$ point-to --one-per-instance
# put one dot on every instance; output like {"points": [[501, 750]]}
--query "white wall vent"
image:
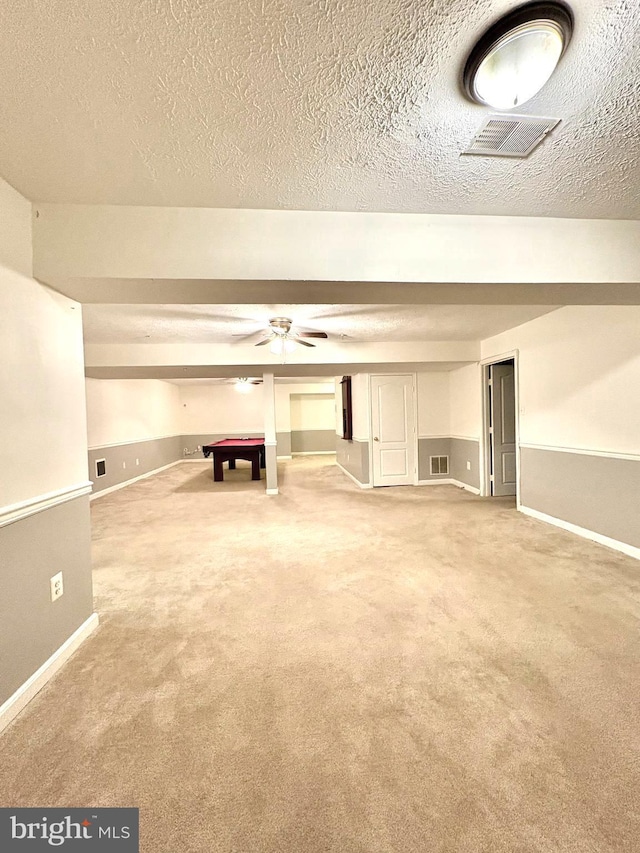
{"points": [[101, 467], [439, 464], [510, 136]]}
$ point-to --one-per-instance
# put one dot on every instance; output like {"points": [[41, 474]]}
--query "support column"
{"points": [[271, 464]]}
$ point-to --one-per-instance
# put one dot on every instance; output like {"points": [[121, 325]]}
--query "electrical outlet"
{"points": [[124, 464], [137, 461], [57, 586], [468, 465], [199, 448]]}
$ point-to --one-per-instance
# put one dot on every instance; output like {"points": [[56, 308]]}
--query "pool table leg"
{"points": [[217, 468], [232, 464], [255, 467]]}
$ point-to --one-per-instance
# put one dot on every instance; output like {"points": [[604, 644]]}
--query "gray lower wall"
{"points": [[599, 493], [354, 457], [32, 627], [459, 450], [121, 460], [465, 450], [271, 466], [284, 443], [313, 441], [428, 447]]}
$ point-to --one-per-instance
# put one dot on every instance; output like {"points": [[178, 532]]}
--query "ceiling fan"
{"points": [[282, 339], [242, 384]]}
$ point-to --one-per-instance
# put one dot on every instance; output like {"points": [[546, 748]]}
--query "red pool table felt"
{"points": [[237, 442]]}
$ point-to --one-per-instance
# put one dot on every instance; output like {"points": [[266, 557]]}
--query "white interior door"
{"points": [[393, 424], [503, 429]]}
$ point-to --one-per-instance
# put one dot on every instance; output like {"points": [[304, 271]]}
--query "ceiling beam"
{"points": [[217, 371], [149, 245], [240, 292], [327, 353]]}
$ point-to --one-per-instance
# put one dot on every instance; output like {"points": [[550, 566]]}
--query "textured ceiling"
{"points": [[307, 104], [201, 324]]}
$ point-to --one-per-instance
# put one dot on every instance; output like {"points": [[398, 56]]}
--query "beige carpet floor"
{"points": [[331, 669]]}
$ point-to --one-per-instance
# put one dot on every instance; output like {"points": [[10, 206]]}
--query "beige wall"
{"points": [[579, 372], [126, 410], [220, 409], [433, 404], [312, 411], [284, 393], [465, 391], [15, 231], [43, 437]]}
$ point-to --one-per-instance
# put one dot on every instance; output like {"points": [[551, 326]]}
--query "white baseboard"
{"points": [[201, 459], [284, 457], [351, 477], [313, 453], [115, 488], [629, 550], [450, 482], [25, 693], [466, 486], [272, 491]]}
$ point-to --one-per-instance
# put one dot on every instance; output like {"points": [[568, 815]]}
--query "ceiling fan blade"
{"points": [[304, 343], [242, 338], [197, 312], [263, 343], [355, 311], [313, 335]]}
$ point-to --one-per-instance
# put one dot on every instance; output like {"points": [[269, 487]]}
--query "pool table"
{"points": [[230, 449]]}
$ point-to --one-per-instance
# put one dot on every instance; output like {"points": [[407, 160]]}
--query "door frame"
{"points": [[413, 423], [485, 451]]}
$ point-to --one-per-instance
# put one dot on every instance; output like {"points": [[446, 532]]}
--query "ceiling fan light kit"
{"points": [[282, 340], [282, 344], [516, 56]]}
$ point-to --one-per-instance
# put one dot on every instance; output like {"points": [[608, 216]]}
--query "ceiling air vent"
{"points": [[510, 136]]}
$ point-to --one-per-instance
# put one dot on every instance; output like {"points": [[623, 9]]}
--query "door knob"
{"points": [[375, 438]]}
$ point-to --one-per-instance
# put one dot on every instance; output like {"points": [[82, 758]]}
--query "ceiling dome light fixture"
{"points": [[516, 56]]}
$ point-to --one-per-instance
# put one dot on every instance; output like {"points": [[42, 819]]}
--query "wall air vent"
{"points": [[510, 136], [439, 464]]}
